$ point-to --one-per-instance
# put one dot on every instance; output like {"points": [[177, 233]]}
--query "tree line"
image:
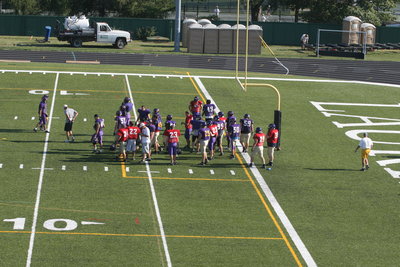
{"points": [[376, 12]]}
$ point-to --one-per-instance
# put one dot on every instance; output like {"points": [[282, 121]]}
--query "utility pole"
{"points": [[177, 25]]}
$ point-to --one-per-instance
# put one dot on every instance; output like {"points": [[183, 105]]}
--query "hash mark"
{"points": [[232, 172], [190, 171]]}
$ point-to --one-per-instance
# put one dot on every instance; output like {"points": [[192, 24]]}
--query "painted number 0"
{"points": [[62, 224], [68, 225]]}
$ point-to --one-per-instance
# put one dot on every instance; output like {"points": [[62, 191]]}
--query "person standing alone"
{"points": [[70, 116], [366, 145]]}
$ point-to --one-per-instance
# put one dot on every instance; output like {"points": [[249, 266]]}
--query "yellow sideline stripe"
{"points": [[184, 178], [195, 86], [269, 212], [145, 235]]}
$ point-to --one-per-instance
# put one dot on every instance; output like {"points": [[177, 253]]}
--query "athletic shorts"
{"points": [[211, 143], [195, 132], [272, 144], [188, 132], [233, 141], [365, 153], [203, 145], [258, 150], [43, 119], [146, 147], [68, 126], [122, 147], [172, 149], [245, 137], [131, 145]]}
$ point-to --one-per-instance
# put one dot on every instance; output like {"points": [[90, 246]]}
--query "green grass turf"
{"points": [[281, 51], [344, 217]]}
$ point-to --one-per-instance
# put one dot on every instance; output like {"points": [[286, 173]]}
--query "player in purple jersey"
{"points": [[234, 135], [97, 137], [228, 122], [43, 117], [209, 110], [157, 121], [221, 132], [120, 121], [128, 107], [144, 114], [204, 138], [197, 123], [246, 129]]}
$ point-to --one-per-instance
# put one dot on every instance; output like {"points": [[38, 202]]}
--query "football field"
{"points": [[61, 204]]}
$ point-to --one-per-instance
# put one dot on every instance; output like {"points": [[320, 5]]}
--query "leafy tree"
{"points": [[144, 9], [333, 11], [25, 7]]}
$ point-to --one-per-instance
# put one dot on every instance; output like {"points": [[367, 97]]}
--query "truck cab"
{"points": [[106, 35]]}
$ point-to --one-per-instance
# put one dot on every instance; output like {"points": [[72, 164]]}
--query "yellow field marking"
{"points": [[146, 235], [269, 212], [70, 210], [184, 178], [197, 89]]}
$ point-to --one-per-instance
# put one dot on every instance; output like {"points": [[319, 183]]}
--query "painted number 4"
{"points": [[52, 224]]}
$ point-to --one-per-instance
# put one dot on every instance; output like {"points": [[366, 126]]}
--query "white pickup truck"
{"points": [[101, 33]]}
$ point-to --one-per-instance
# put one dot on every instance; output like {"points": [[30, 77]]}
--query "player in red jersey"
{"points": [[173, 140], [133, 135], [195, 107], [272, 142], [258, 147], [122, 135], [213, 138], [188, 128]]}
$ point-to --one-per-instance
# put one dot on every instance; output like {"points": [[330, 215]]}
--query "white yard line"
{"points": [[40, 183], [201, 77], [153, 191], [271, 198]]}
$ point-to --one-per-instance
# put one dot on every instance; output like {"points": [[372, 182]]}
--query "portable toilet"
{"points": [[255, 32], [370, 33], [204, 22], [195, 41], [225, 39], [210, 39], [185, 27], [242, 38], [351, 24]]}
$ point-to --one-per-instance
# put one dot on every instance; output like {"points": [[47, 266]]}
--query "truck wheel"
{"points": [[120, 43], [76, 43]]}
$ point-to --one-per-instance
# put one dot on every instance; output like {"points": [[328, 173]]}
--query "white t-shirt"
{"points": [[145, 131], [70, 113], [366, 143]]}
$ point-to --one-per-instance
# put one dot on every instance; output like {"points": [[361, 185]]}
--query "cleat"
{"points": [[149, 159], [250, 165], [362, 169], [232, 156], [263, 166], [367, 167], [35, 130], [221, 154], [201, 163], [270, 163], [244, 150], [268, 169], [47, 131], [66, 141]]}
